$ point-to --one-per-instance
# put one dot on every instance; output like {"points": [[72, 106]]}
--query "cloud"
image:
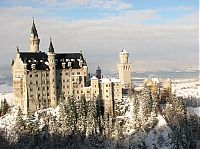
{"points": [[101, 4], [179, 8], [155, 46]]}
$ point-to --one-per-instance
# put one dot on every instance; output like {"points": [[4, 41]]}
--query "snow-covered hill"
{"points": [[187, 87]]}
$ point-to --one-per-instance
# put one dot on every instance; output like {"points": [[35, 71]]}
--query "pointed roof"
{"points": [[33, 29], [51, 48], [98, 68]]}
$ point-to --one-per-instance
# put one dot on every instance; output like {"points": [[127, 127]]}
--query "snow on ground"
{"points": [[187, 87], [194, 111], [159, 135]]}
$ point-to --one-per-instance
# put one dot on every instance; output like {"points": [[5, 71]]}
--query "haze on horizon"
{"points": [[158, 34]]}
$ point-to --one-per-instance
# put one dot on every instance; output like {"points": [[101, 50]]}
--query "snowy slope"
{"points": [[187, 87], [159, 135]]}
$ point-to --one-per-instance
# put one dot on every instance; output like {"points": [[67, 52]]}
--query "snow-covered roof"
{"points": [[139, 88], [105, 80], [155, 80], [123, 51], [94, 78], [115, 80]]}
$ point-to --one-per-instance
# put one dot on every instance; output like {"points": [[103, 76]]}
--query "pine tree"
{"points": [[82, 115], [145, 107], [91, 117], [72, 115]]}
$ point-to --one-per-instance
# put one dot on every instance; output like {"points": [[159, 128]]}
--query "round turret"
{"points": [[123, 55]]}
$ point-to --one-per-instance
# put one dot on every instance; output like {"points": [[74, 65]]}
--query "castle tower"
{"points": [[34, 40], [124, 68], [98, 72], [52, 75]]}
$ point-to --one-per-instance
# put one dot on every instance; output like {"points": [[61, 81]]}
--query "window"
{"points": [[66, 73], [31, 82], [36, 75], [36, 82], [106, 85], [61, 74], [31, 89], [72, 73], [78, 73], [106, 91], [38, 88], [47, 74], [63, 86], [31, 75], [47, 88]]}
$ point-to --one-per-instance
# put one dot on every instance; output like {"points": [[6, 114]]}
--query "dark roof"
{"points": [[51, 49], [98, 68], [73, 57], [33, 29], [39, 59]]}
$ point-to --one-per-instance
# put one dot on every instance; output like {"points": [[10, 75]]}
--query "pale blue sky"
{"points": [[158, 34]]}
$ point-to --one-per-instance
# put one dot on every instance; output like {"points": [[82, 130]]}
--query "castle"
{"points": [[41, 79]]}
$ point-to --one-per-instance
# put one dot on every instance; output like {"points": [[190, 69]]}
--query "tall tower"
{"points": [[52, 75], [124, 68], [34, 40]]}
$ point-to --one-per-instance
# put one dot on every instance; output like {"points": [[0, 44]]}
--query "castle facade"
{"points": [[41, 79]]}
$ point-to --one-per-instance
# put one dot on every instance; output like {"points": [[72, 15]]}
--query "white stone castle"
{"points": [[40, 80]]}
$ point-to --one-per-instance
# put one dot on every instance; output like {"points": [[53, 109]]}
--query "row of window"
{"points": [[46, 75], [36, 75], [36, 82]]}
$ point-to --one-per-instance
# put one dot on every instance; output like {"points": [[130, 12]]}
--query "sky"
{"points": [[158, 34]]}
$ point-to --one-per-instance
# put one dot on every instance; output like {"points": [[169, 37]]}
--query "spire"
{"points": [[17, 49], [51, 49], [33, 29]]}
